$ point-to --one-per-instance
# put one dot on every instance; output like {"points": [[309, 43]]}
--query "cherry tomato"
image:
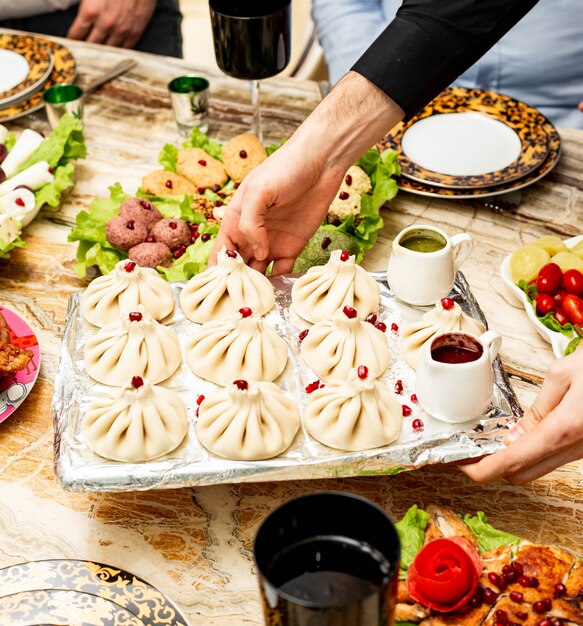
{"points": [[549, 279], [573, 307], [560, 316], [573, 281], [544, 303], [558, 298]]}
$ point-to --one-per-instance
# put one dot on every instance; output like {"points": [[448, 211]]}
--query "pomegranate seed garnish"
{"points": [[406, 410], [245, 312], [497, 580], [313, 386], [303, 334], [216, 187], [19, 201], [545, 622], [510, 576], [516, 596], [130, 225], [169, 184], [539, 607], [501, 617], [350, 312], [219, 203], [322, 386], [344, 256], [372, 318], [521, 615], [362, 372], [326, 242], [205, 237], [51, 170], [417, 424], [560, 590], [547, 603], [381, 326], [137, 382], [178, 252], [195, 236], [506, 568], [146, 205], [135, 317], [517, 567], [201, 190], [394, 327], [150, 239], [399, 387], [130, 266], [222, 195], [533, 582], [202, 162], [243, 154], [193, 227], [231, 254], [477, 599], [556, 622], [344, 195], [490, 596], [414, 398], [200, 400], [237, 185], [348, 179], [172, 225], [241, 385], [447, 303]]}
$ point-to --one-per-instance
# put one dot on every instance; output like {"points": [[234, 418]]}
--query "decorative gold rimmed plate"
{"points": [[434, 191], [64, 71], [469, 139], [83, 593], [26, 66]]}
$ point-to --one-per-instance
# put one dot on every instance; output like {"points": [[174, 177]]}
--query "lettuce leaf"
{"points": [[548, 319], [7, 246], [10, 141], [198, 139], [489, 538], [194, 260], [167, 157], [572, 346], [89, 255], [51, 193], [411, 531]]}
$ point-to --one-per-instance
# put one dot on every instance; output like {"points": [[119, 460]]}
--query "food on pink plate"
{"points": [[12, 358], [125, 233], [151, 254], [172, 231], [140, 210]]}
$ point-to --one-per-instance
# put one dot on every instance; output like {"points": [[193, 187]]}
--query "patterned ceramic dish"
{"points": [[529, 128], [558, 341], [26, 66], [64, 71], [83, 593], [15, 389]]}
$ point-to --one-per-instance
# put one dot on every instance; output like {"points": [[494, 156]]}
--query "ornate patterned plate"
{"points": [[433, 191], [518, 130], [82, 593], [15, 389], [29, 64], [64, 71]]}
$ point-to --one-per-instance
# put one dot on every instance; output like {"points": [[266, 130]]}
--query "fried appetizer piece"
{"points": [[4, 331], [242, 154], [163, 183], [13, 359], [443, 522], [200, 168]]}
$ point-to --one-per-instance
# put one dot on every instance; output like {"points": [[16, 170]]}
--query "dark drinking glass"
{"points": [[252, 42]]}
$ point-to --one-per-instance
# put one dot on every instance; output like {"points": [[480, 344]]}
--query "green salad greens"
{"points": [[489, 538], [357, 233]]}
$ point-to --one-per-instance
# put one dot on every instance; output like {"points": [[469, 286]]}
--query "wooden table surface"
{"points": [[196, 543]]}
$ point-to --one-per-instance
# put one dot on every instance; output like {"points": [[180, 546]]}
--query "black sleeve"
{"points": [[431, 42]]}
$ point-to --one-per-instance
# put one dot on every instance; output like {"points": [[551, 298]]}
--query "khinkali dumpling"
{"points": [[247, 421], [122, 290], [135, 343], [447, 315], [324, 289], [242, 346], [342, 341], [355, 414], [141, 423], [229, 285]]}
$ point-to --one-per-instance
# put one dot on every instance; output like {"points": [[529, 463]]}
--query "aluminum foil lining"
{"points": [[78, 468]]}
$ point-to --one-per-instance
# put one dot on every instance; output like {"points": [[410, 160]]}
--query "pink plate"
{"points": [[14, 389]]}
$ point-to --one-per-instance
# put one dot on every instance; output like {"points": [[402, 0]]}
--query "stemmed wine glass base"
{"points": [[256, 106]]}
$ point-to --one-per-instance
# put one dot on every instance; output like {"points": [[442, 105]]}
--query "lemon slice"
{"points": [[526, 262], [568, 261], [551, 243]]}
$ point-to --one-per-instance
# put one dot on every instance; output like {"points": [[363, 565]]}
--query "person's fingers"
{"points": [[81, 26], [99, 33], [282, 266], [255, 203], [530, 420], [260, 266]]}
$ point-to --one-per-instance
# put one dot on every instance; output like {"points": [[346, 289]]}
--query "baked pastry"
{"points": [[163, 183], [354, 414], [200, 168], [223, 289], [136, 343], [445, 316], [122, 290], [241, 154], [247, 421], [341, 342], [324, 289], [242, 346], [142, 422]]}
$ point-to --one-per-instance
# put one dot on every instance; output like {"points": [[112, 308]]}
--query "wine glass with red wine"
{"points": [[252, 42]]}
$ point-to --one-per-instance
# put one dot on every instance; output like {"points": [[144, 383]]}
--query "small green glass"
{"points": [[189, 97], [61, 100]]}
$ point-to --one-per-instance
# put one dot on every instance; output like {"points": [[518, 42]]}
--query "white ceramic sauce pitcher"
{"points": [[457, 392], [422, 278]]}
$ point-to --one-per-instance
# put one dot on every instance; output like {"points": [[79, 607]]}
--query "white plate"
{"points": [[461, 144], [14, 69], [557, 340]]}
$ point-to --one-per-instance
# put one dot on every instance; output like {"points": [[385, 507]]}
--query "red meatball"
{"points": [[140, 210], [124, 233], [151, 254], [172, 231]]}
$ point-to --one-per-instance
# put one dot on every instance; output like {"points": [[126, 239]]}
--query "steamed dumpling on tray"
{"points": [[447, 315], [354, 414], [247, 421], [242, 346], [229, 285], [324, 289], [122, 290], [341, 342], [135, 343], [141, 423]]}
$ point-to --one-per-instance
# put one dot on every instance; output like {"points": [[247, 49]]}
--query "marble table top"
{"points": [[196, 543]]}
